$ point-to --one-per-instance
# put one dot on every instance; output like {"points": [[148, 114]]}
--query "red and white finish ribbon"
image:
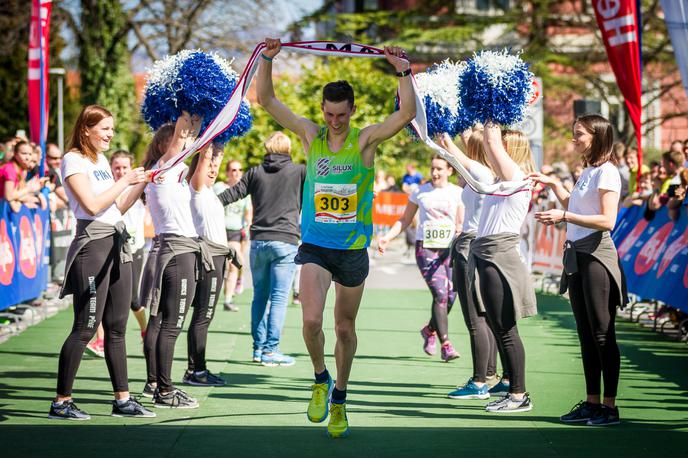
{"points": [[327, 48]]}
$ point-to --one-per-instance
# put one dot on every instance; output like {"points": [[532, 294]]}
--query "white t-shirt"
{"points": [[472, 200], [169, 203], [585, 197], [437, 207], [134, 219], [208, 215], [505, 214], [99, 178]]}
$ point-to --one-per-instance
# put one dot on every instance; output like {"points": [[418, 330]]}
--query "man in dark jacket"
{"points": [[276, 188]]}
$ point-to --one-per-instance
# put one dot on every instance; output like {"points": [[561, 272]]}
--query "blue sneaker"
{"points": [[470, 391], [500, 389], [256, 355], [276, 358]]}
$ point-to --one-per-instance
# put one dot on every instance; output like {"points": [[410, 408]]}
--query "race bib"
{"points": [[437, 234], [335, 203]]}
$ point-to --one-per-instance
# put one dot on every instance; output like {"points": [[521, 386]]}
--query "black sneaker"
{"points": [[148, 390], [131, 408], [605, 416], [67, 411], [206, 378], [175, 399], [581, 412]]}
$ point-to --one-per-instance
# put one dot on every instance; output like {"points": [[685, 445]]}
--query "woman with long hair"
{"points": [[175, 261], [592, 271], [98, 266], [484, 382], [441, 213], [505, 286], [208, 217]]}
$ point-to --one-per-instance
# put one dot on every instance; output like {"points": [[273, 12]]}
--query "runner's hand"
{"points": [[397, 57], [272, 47], [382, 245]]}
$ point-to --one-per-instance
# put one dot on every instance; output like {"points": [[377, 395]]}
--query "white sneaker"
{"points": [[509, 404]]}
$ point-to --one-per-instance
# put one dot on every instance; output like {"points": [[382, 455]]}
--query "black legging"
{"points": [[136, 270], [499, 305], [483, 343], [205, 300], [590, 291], [102, 288], [177, 293]]}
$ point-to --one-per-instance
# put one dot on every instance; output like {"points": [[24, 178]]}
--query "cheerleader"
{"points": [[208, 217], [592, 271], [176, 258], [98, 266], [505, 286], [484, 382]]}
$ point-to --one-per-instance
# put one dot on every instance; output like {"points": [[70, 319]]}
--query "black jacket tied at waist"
{"points": [[88, 230], [600, 246], [501, 250], [171, 245]]}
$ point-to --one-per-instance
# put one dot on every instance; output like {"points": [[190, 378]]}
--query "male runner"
{"points": [[336, 221]]}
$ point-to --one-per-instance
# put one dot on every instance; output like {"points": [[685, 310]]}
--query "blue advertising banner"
{"points": [[23, 254], [654, 255]]}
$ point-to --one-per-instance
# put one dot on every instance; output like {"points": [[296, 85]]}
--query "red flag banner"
{"points": [[618, 22], [38, 70]]}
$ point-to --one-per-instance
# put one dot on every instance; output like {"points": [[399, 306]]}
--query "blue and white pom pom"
{"points": [[197, 82], [439, 88], [496, 86]]}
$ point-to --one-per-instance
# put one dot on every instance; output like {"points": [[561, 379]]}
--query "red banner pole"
{"points": [[618, 21], [39, 36]]}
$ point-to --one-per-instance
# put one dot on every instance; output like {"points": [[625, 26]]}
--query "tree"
{"points": [[165, 27], [104, 65], [559, 38]]}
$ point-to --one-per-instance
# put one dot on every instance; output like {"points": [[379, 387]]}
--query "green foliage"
{"points": [[104, 63], [15, 22]]}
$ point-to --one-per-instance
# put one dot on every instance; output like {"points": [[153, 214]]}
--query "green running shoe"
{"points": [[320, 399], [338, 427]]}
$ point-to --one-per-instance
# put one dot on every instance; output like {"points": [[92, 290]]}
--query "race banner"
{"points": [[618, 22], [24, 247], [676, 18], [654, 255], [39, 46], [388, 207]]}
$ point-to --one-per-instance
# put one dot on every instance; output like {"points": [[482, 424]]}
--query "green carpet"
{"points": [[397, 404]]}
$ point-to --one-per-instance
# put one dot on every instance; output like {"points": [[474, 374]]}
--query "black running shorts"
{"points": [[348, 267]]}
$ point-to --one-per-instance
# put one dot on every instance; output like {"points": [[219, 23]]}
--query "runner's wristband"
{"points": [[406, 72], [269, 59]]}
